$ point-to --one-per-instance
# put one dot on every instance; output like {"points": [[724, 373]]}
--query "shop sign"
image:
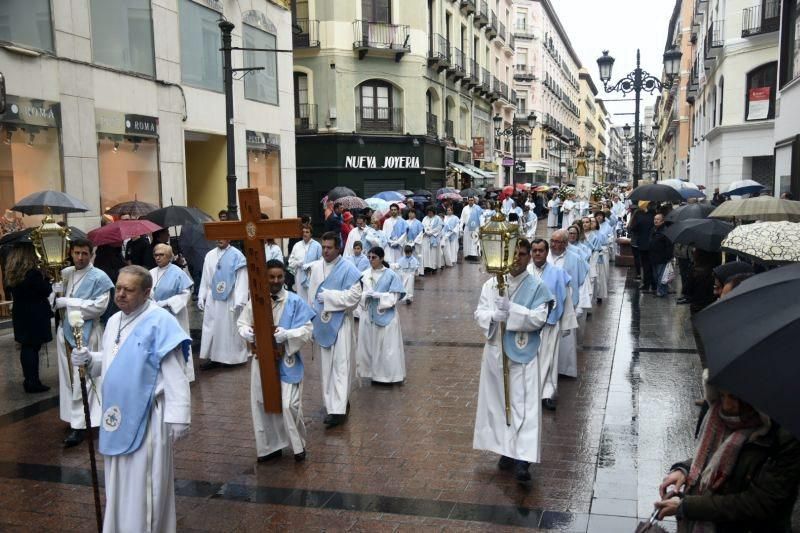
{"points": [[141, 125], [759, 103], [507, 161], [478, 147], [370, 162], [519, 166], [259, 140], [117, 123], [31, 111]]}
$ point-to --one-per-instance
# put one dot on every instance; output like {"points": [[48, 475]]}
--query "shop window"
{"points": [[122, 35], [264, 171], [27, 22], [760, 96], [201, 60], [30, 161], [261, 85], [128, 169]]}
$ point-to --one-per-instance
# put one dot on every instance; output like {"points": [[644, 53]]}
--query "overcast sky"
{"points": [[619, 26]]}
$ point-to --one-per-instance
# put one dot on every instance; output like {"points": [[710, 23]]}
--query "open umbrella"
{"points": [[24, 236], [450, 196], [194, 246], [688, 192], [116, 232], [340, 192], [133, 208], [656, 193], [763, 208], [391, 196], [703, 233], [377, 204], [468, 193], [177, 215], [351, 202], [742, 187], [56, 202], [690, 211], [771, 243], [423, 192], [406, 192], [445, 190], [750, 339], [420, 200]]}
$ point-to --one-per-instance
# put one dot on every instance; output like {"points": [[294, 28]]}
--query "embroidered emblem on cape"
{"points": [[112, 419], [521, 339], [289, 360], [220, 288], [325, 316], [380, 311], [250, 230]]}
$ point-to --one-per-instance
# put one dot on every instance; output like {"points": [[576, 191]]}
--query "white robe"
{"points": [[275, 431], [70, 401], [338, 361], [522, 439], [178, 305], [552, 215], [453, 243], [393, 253], [568, 207], [297, 259], [431, 255], [530, 226], [548, 350], [567, 359], [508, 206], [356, 234], [380, 355], [471, 243], [220, 339], [141, 485], [273, 251]]}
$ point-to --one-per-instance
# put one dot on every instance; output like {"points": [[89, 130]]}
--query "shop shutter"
{"points": [[373, 187], [305, 200], [436, 184]]}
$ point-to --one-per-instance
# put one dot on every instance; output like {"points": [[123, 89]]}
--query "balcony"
{"points": [[523, 73], [481, 17], [486, 82], [458, 64], [380, 38], [513, 97], [501, 31], [379, 119], [504, 91], [523, 31], [305, 118], [439, 53], [760, 19], [523, 146], [494, 94], [467, 7], [433, 125], [473, 77], [448, 130], [512, 42], [491, 30], [309, 34], [715, 39]]}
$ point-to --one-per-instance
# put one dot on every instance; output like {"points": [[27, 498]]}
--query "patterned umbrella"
{"points": [[351, 202], [762, 208], [770, 243], [450, 196], [444, 190], [134, 208]]}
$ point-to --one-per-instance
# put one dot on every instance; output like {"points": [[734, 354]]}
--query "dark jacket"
{"points": [[31, 312], [700, 289], [641, 227], [759, 494], [660, 246]]}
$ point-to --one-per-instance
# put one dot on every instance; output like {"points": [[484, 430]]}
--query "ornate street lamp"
{"points": [[514, 132], [498, 239], [560, 146], [51, 242], [635, 82]]}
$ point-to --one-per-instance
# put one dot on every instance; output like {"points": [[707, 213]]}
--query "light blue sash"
{"points": [[450, 225], [296, 313], [313, 253], [522, 346], [556, 280], [388, 282], [129, 384], [578, 270], [474, 220], [437, 223], [414, 229], [359, 261], [374, 237], [327, 324], [399, 229], [92, 285], [173, 281], [408, 263], [224, 278]]}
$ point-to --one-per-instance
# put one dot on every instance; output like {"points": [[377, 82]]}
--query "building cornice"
{"points": [[551, 11], [735, 128]]}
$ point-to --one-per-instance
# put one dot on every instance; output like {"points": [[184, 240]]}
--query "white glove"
{"points": [[58, 287], [177, 431], [61, 302], [201, 305], [320, 299], [566, 333], [370, 294], [281, 335], [502, 303], [500, 315], [247, 333], [80, 356]]}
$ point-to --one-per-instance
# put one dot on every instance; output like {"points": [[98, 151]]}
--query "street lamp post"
{"points": [[552, 144], [635, 82], [644, 142], [514, 132]]}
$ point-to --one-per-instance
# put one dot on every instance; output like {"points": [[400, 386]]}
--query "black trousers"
{"points": [[637, 260], [29, 358], [684, 267], [648, 282]]}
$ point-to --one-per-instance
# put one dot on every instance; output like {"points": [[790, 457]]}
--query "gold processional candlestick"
{"points": [[501, 290]]}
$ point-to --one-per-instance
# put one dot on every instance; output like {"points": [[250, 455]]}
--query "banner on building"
{"points": [[758, 100], [478, 147]]}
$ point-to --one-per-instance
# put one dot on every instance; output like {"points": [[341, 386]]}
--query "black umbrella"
{"points": [[177, 215], [134, 208], [340, 192], [24, 236], [468, 193], [194, 246], [56, 202], [750, 339], [690, 211], [423, 192], [656, 193], [704, 233]]}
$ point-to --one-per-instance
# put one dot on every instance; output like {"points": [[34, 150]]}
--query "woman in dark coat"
{"points": [[31, 312]]}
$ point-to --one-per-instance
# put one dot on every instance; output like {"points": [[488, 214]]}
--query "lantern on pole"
{"points": [[50, 240]]}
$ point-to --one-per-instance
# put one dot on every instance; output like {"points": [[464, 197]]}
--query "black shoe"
{"points": [[335, 420], [521, 473], [208, 365], [300, 457], [269, 457], [599, 301], [33, 387], [74, 438], [505, 463], [549, 404]]}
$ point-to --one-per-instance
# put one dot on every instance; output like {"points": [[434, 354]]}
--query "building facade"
{"points": [[116, 100], [787, 109], [592, 129]]}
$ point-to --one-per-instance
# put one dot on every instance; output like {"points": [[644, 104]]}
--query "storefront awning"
{"points": [[484, 174], [467, 169]]}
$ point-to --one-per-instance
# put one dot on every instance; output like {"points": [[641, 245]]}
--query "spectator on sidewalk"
{"points": [[660, 254]]}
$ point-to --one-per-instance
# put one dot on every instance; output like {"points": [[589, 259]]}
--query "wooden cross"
{"points": [[253, 232]]}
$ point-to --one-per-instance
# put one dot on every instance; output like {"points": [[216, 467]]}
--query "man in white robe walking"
{"points": [[223, 292], [512, 324], [394, 228], [356, 234], [578, 271], [143, 357], [470, 223]]}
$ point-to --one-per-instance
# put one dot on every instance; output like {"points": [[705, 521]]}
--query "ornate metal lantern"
{"points": [[50, 241], [498, 244]]}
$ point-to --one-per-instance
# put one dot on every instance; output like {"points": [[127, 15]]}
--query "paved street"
{"points": [[404, 461]]}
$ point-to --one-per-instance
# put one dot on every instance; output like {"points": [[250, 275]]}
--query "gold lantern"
{"points": [[51, 242], [498, 239]]}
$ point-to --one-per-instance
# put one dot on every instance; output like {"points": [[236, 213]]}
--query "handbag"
{"points": [[669, 274]]}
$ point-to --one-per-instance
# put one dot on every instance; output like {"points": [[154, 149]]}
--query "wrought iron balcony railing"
{"points": [[379, 119], [309, 34]]}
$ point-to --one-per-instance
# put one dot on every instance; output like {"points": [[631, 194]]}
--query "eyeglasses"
{"points": [[371, 257], [159, 255]]}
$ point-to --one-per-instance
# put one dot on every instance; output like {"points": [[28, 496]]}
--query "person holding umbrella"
{"points": [[660, 254]]}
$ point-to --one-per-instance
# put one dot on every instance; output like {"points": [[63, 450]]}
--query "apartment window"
{"points": [[260, 85], [376, 104], [377, 10], [27, 22], [522, 103], [201, 60], [790, 41], [522, 59], [760, 96], [122, 35], [721, 95]]}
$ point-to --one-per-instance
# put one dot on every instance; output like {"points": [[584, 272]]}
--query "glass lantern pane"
{"points": [[53, 248], [512, 248], [492, 252]]}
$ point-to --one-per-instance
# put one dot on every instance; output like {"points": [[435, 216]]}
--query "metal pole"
{"points": [[227, 76], [513, 151], [637, 147]]}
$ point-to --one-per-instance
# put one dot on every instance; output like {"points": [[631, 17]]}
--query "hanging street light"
{"points": [[514, 132]]}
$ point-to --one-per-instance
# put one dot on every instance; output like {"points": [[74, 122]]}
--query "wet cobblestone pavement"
{"points": [[404, 460]]}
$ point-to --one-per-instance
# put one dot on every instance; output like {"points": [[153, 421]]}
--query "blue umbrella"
{"points": [[391, 196], [421, 200], [691, 193], [742, 187], [378, 204]]}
